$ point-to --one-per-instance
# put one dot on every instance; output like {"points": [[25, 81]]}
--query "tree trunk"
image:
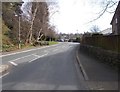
{"points": [[39, 34], [29, 37]]}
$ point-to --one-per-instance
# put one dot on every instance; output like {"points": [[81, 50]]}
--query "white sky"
{"points": [[74, 15]]}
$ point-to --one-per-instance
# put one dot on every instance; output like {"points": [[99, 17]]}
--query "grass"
{"points": [[52, 42], [8, 48]]}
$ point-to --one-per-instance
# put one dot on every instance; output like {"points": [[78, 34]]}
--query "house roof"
{"points": [[116, 11], [107, 31]]}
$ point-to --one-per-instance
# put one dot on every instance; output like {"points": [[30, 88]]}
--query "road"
{"points": [[47, 68]]}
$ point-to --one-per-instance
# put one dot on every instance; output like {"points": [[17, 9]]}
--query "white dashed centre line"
{"points": [[38, 57], [20, 58], [55, 50], [45, 51], [13, 63]]}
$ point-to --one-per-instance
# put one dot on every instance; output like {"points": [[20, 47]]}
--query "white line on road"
{"points": [[21, 58], [43, 55], [55, 50], [38, 57], [13, 63], [27, 50], [46, 51], [4, 75], [33, 60]]}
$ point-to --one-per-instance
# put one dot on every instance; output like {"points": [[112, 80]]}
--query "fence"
{"points": [[110, 42]]}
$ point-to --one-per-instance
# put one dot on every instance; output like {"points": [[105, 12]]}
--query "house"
{"points": [[107, 31], [116, 21]]}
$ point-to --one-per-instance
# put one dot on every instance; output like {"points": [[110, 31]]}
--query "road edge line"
{"points": [[18, 52], [4, 75], [81, 67]]}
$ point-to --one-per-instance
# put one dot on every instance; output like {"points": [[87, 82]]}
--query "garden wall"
{"points": [[104, 48], [110, 42]]}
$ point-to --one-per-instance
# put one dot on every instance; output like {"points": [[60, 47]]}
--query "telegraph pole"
{"points": [[19, 34]]}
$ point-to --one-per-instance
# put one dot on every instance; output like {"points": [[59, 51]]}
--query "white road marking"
{"points": [[101, 89], [46, 51], [28, 50], [97, 88], [32, 60], [4, 75], [55, 50], [38, 57], [70, 47], [13, 63], [21, 58], [43, 55]]}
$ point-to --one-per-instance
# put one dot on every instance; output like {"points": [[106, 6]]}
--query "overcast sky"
{"points": [[74, 15]]}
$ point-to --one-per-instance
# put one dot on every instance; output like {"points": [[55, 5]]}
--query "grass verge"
{"points": [[52, 42], [8, 48]]}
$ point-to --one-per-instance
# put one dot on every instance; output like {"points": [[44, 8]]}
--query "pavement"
{"points": [[98, 75]]}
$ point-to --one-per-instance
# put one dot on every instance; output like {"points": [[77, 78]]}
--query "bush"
{"points": [[8, 47], [40, 43]]}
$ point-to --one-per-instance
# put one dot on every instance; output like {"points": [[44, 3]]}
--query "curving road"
{"points": [[48, 68]]}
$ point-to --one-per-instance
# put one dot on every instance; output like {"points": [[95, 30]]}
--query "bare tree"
{"points": [[51, 33], [38, 17], [94, 29], [107, 6], [39, 20], [33, 15]]}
